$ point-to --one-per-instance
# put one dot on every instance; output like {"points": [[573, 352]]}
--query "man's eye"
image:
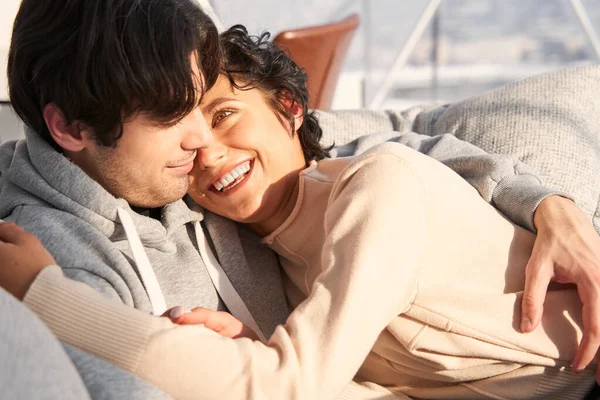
{"points": [[220, 116]]}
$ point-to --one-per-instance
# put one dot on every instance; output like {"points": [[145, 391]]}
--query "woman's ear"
{"points": [[295, 109], [68, 136]]}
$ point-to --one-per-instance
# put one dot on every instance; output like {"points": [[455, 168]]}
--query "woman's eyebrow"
{"points": [[207, 109]]}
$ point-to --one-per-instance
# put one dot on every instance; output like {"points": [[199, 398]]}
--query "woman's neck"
{"points": [[284, 209]]}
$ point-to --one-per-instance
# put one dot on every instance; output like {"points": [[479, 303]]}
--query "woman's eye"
{"points": [[220, 116]]}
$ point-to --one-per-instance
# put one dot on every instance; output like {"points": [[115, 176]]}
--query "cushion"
{"points": [[550, 122]]}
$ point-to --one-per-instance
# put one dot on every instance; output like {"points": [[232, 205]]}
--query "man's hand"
{"points": [[22, 257], [566, 250], [221, 322]]}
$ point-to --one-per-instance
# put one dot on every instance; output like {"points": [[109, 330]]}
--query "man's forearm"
{"points": [[502, 180]]}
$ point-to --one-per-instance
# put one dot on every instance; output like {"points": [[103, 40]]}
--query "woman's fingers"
{"points": [[22, 257], [198, 315], [221, 322], [13, 233]]}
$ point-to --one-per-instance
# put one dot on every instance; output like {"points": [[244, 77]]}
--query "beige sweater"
{"points": [[418, 255]]}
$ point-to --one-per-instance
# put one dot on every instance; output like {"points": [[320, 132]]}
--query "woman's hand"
{"points": [[22, 257], [221, 322], [566, 250]]}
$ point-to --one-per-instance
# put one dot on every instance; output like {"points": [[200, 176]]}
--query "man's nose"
{"points": [[200, 138], [198, 133]]}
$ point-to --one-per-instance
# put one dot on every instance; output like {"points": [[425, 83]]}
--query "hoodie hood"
{"points": [[7, 151], [33, 173]]}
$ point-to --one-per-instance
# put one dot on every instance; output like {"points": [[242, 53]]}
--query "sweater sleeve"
{"points": [[374, 239], [502, 180], [369, 277]]}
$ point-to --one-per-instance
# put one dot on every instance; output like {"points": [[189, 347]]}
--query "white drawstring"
{"points": [[224, 287], [159, 306], [228, 294]]}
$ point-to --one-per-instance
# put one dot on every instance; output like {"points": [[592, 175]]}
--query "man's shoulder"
{"points": [[83, 252], [42, 220], [68, 238]]}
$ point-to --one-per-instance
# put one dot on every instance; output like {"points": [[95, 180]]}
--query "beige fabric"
{"points": [[186, 362], [428, 249]]}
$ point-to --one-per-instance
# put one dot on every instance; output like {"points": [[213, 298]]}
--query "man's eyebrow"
{"points": [[207, 109]]}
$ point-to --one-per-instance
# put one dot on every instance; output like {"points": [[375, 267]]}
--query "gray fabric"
{"points": [[108, 382], [549, 122], [343, 126], [76, 219], [252, 269], [33, 364]]}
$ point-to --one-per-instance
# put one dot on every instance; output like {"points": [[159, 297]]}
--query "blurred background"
{"points": [[408, 52], [436, 51]]}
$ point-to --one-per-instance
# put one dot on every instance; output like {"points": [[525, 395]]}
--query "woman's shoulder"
{"points": [[389, 169], [331, 169], [387, 160], [386, 169], [392, 150]]}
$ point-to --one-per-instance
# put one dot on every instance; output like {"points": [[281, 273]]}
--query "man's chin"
{"points": [[159, 198]]}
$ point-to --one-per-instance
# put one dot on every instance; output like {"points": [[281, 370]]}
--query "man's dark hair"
{"points": [[104, 61], [253, 62]]}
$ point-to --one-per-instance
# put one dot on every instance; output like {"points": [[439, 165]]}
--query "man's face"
{"points": [[150, 164]]}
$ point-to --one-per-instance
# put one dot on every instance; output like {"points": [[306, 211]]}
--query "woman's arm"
{"points": [[567, 247], [324, 341]]}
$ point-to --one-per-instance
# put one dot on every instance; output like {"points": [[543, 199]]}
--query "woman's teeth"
{"points": [[232, 178]]}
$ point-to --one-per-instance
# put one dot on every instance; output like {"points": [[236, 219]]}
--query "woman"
{"points": [[398, 271]]}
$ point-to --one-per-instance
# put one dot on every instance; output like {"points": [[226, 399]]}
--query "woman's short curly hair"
{"points": [[253, 62]]}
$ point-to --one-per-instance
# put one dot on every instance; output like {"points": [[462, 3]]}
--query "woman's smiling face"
{"points": [[249, 170]]}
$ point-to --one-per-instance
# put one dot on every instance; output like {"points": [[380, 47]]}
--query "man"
{"points": [[136, 87], [109, 92]]}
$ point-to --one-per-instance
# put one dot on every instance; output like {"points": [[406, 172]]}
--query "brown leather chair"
{"points": [[321, 51]]}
